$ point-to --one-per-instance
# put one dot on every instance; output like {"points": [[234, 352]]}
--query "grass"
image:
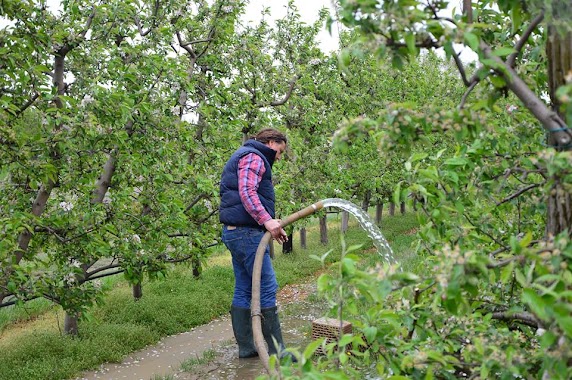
{"points": [[207, 357], [33, 347], [31, 310]]}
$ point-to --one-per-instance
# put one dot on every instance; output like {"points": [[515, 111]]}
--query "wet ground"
{"points": [[298, 307]]}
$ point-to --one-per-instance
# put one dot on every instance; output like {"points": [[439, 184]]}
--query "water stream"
{"points": [[366, 223]]}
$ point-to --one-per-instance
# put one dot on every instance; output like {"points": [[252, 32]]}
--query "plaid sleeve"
{"points": [[250, 171]]}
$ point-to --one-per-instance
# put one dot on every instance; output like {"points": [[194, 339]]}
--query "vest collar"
{"points": [[269, 153]]}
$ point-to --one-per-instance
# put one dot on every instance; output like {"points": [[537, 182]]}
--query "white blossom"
{"points": [[87, 100], [511, 108], [107, 198], [69, 278], [209, 205], [136, 238], [314, 62], [228, 9], [75, 264], [66, 206]]}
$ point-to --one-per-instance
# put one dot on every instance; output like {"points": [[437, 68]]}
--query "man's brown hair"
{"points": [[270, 134]]}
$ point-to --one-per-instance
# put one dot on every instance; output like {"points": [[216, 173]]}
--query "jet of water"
{"points": [[366, 223]]}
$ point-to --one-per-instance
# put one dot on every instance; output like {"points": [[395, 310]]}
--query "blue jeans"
{"points": [[242, 242]]}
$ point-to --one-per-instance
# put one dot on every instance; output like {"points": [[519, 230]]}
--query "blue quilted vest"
{"points": [[231, 210]]}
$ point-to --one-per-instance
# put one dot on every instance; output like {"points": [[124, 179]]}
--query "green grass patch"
{"points": [[207, 357], [169, 306], [27, 312]]}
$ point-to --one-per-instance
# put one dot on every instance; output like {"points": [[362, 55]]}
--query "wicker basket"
{"points": [[330, 329]]}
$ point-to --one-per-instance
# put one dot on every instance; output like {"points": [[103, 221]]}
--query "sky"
{"points": [[308, 9]]}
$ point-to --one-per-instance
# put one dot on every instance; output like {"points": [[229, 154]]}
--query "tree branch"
{"points": [[197, 199], [503, 263], [549, 119], [518, 193], [112, 265], [461, 69], [185, 45], [153, 24], [466, 94], [26, 105], [104, 181], [525, 318], [288, 93], [520, 44]]}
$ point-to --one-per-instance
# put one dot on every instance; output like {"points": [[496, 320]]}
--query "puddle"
{"points": [[298, 308]]}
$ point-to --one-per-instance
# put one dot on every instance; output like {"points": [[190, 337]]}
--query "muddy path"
{"points": [[298, 305]]}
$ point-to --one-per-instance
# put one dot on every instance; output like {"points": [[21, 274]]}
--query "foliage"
{"points": [[171, 305], [117, 117], [493, 298]]}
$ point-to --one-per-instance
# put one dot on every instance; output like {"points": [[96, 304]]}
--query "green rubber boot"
{"points": [[242, 328], [273, 333]]}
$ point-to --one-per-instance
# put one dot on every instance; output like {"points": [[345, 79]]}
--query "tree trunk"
{"points": [[288, 246], [197, 268], [324, 229], [303, 243], [391, 208], [559, 55], [402, 208], [365, 203], [137, 291], [345, 221], [378, 212], [70, 324]]}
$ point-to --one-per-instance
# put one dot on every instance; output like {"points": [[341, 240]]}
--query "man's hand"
{"points": [[277, 232]]}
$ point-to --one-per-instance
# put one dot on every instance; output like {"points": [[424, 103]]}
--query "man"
{"points": [[247, 212]]}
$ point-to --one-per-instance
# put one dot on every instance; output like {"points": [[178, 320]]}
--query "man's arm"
{"points": [[250, 171]]}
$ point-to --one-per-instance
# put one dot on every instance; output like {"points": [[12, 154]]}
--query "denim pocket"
{"points": [[229, 236]]}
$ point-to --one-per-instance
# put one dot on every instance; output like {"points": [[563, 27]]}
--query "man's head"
{"points": [[274, 139]]}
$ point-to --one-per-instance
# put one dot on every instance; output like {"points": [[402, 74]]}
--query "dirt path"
{"points": [[163, 361]]}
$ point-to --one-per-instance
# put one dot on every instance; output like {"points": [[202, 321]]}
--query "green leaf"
{"points": [[397, 194], [346, 339], [370, 333], [506, 273], [503, 51], [345, 58], [418, 156], [493, 64], [520, 278], [565, 323], [498, 82], [516, 17], [312, 347], [472, 40], [457, 161], [410, 42], [536, 303]]}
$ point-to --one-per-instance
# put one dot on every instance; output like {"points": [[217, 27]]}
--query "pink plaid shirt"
{"points": [[250, 171]]}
